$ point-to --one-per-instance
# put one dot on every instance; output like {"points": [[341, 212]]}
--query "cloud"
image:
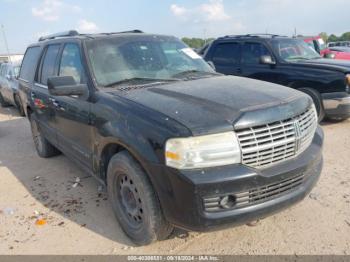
{"points": [[178, 10], [50, 10], [85, 26], [214, 11], [211, 11]]}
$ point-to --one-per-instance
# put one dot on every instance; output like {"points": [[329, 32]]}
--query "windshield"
{"points": [[143, 58], [294, 49]]}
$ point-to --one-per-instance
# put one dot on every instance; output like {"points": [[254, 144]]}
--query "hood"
{"points": [[216, 104], [324, 63]]}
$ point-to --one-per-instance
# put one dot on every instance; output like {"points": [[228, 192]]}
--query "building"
{"points": [[11, 58]]}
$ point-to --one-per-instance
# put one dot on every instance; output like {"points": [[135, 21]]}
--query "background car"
{"points": [[286, 61], [9, 86], [317, 43]]}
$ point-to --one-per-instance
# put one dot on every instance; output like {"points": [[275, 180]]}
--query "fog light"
{"points": [[228, 201]]}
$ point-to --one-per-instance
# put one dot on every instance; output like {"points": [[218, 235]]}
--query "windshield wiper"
{"points": [[298, 58], [191, 72], [140, 79]]}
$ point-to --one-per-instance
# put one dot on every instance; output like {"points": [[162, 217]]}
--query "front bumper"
{"points": [[181, 193], [337, 105]]}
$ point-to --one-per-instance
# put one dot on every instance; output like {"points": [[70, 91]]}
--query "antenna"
{"points": [[5, 41]]}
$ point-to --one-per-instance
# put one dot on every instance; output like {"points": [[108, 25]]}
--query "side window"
{"points": [[2, 70], [71, 63], [227, 54], [252, 52], [48, 63], [29, 63]]}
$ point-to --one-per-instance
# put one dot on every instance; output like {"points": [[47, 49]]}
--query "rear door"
{"points": [[72, 114], [44, 110], [27, 73], [226, 57]]}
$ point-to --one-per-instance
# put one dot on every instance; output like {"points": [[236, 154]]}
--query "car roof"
{"points": [[252, 36], [74, 35]]}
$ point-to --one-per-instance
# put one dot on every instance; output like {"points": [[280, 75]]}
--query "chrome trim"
{"points": [[333, 103], [272, 143], [40, 85]]}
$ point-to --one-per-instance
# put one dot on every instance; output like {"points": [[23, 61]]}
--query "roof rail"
{"points": [[62, 34], [123, 32], [253, 35]]}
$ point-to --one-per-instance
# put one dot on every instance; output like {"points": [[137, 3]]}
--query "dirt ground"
{"points": [[79, 219]]}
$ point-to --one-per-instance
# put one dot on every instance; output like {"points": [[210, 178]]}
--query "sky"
{"points": [[24, 21]]}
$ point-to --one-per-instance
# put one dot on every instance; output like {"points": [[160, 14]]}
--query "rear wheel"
{"points": [[19, 105], [44, 148], [317, 99], [134, 201]]}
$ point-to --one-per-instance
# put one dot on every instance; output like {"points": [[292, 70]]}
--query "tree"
{"points": [[196, 42], [332, 38], [324, 36]]}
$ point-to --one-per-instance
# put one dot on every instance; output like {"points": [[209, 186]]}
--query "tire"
{"points": [[317, 99], [43, 147], [134, 201], [19, 105], [3, 103]]}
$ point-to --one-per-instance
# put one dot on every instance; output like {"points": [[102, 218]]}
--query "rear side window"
{"points": [[252, 52], [227, 54], [71, 63], [48, 63], [29, 63]]}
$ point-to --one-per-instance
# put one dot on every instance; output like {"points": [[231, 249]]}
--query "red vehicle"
{"points": [[317, 43]]}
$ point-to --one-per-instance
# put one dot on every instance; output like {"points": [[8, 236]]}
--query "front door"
{"points": [[72, 114], [251, 66]]}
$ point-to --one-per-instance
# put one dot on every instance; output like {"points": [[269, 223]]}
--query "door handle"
{"points": [[239, 70], [56, 103]]}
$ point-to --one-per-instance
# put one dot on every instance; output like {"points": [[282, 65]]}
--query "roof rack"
{"points": [[62, 34], [253, 35], [123, 32]]}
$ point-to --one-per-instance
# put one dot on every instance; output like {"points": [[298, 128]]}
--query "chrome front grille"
{"points": [[269, 144]]}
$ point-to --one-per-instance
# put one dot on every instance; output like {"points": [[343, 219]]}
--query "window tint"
{"points": [[227, 54], [29, 63], [48, 64], [71, 63], [252, 52], [2, 69]]}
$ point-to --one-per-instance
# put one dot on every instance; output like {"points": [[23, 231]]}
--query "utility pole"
{"points": [[5, 41]]}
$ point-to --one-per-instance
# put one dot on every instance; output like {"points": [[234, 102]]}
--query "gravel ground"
{"points": [[44, 211]]}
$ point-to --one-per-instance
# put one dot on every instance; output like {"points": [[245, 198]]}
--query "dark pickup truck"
{"points": [[289, 62], [176, 143]]}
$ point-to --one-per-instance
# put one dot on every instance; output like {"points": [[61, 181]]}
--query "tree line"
{"points": [[333, 38], [199, 42]]}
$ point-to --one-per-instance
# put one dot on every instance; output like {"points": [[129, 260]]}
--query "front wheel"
{"points": [[317, 99], [44, 148], [134, 201], [3, 103]]}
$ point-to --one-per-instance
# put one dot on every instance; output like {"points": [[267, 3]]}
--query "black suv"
{"points": [[289, 62], [175, 143]]}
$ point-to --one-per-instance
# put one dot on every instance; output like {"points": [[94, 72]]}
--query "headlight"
{"points": [[203, 151]]}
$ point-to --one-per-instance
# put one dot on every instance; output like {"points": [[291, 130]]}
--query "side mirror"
{"points": [[9, 77], [211, 65], [66, 86], [267, 60]]}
